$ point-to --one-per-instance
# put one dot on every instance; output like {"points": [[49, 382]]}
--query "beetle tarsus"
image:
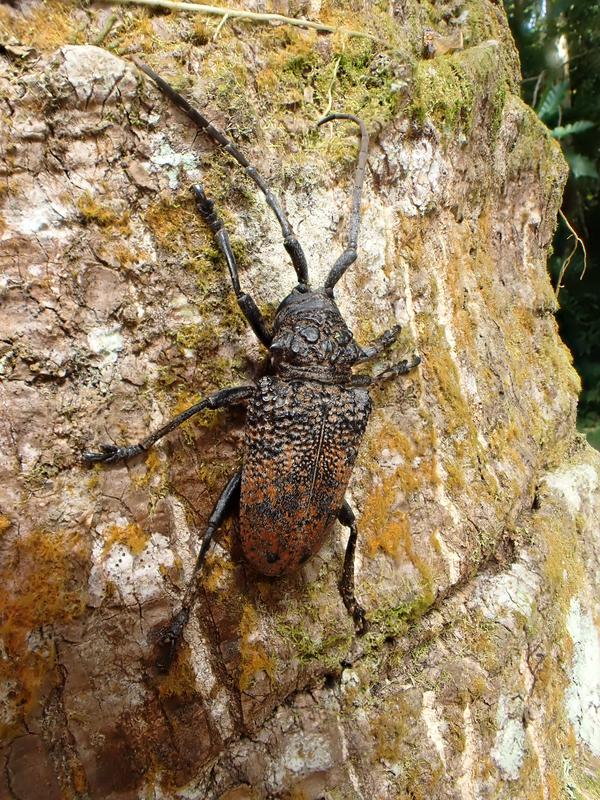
{"points": [[111, 453], [361, 625], [402, 368], [169, 639]]}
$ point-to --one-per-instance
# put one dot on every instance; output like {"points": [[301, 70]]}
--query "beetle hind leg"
{"points": [[346, 584], [169, 637]]}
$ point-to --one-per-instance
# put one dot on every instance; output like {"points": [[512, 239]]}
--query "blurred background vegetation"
{"points": [[559, 44]]}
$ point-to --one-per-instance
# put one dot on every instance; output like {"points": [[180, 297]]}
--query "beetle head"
{"points": [[309, 331]]}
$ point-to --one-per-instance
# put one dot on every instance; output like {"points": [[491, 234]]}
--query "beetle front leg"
{"points": [[380, 344], [401, 368], [111, 453], [170, 636], [346, 584]]}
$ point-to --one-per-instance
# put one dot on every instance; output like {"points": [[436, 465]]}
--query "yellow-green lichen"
{"points": [[327, 650], [93, 211], [253, 655]]}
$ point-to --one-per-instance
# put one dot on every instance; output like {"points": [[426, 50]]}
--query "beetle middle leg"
{"points": [[111, 453], [346, 584], [170, 636]]}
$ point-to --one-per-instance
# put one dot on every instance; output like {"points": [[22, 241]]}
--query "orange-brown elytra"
{"points": [[305, 420]]}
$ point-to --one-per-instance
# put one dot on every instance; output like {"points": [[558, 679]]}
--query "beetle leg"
{"points": [[380, 344], [389, 372], [170, 636], [111, 453], [346, 585], [396, 369], [250, 310]]}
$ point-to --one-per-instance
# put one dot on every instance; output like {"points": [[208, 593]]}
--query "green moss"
{"points": [[451, 89], [327, 650], [394, 621]]}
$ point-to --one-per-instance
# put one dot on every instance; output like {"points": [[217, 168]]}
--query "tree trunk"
{"points": [[478, 504]]}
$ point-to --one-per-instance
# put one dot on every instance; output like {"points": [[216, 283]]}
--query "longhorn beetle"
{"points": [[305, 419]]}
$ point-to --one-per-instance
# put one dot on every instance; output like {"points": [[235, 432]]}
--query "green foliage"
{"points": [[581, 166], [552, 100], [561, 131], [559, 46]]}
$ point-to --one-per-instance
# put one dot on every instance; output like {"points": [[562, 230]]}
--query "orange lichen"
{"points": [[48, 26], [153, 465], [132, 536], [5, 524], [180, 682], [253, 655], [138, 31], [217, 568], [44, 580], [386, 527], [176, 226]]}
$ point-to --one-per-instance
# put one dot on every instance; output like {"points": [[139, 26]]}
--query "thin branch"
{"points": [[220, 27], [330, 87], [233, 13], [538, 83], [569, 258], [105, 30]]}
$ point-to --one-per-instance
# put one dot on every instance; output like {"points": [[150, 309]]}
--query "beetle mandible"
{"points": [[305, 419]]}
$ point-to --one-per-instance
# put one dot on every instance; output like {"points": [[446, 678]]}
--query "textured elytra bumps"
{"points": [[472, 492]]}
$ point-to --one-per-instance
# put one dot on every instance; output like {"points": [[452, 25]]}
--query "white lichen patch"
{"points": [[451, 557], [425, 168], [302, 754], [575, 484], [183, 310], [35, 214], [434, 724], [506, 596], [106, 342], [583, 694], [199, 657], [136, 578], [466, 782], [508, 751], [165, 159]]}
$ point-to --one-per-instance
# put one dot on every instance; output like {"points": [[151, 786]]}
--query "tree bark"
{"points": [[477, 502]]}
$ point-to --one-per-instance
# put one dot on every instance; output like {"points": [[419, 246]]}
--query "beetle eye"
{"points": [[310, 334]]}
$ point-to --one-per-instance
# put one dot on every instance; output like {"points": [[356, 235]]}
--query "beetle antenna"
{"points": [[290, 241], [349, 255]]}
